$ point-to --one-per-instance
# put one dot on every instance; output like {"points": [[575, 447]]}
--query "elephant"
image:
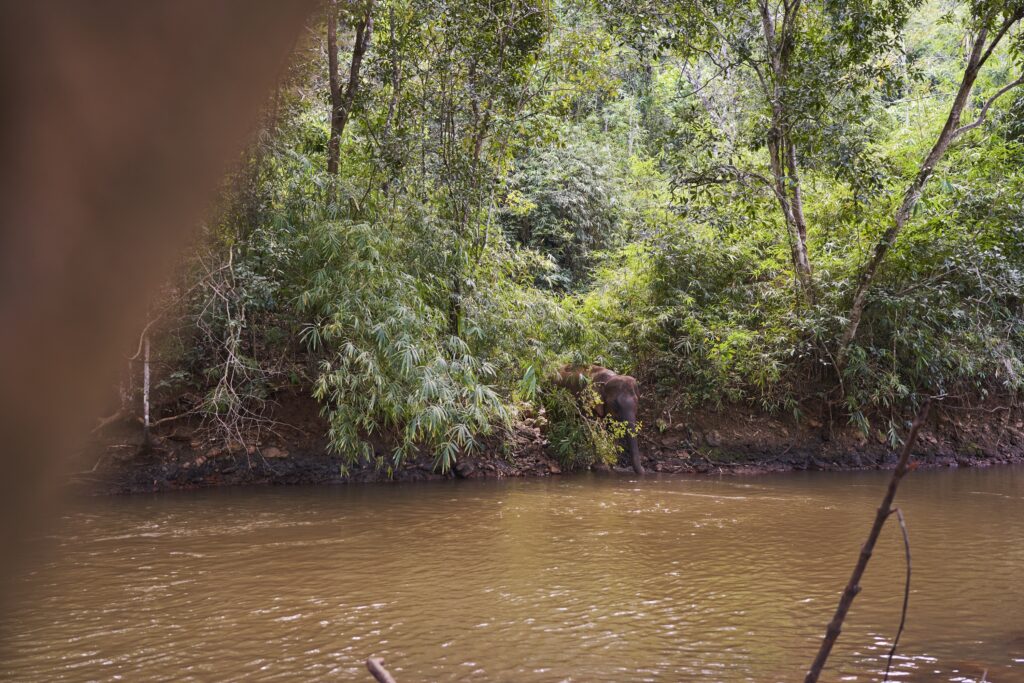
{"points": [[619, 399]]}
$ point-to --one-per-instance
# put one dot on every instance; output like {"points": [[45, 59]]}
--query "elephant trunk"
{"points": [[634, 450]]}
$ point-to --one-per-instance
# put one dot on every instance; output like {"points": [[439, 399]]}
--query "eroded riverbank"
{"points": [[728, 441]]}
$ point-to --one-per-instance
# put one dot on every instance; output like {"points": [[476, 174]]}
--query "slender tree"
{"points": [[993, 27], [778, 32], [788, 56], [342, 98]]}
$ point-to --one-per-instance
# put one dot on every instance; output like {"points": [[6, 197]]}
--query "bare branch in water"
{"points": [[853, 586], [906, 593], [376, 667]]}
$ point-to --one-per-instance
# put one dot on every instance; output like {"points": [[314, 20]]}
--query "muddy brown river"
{"points": [[567, 579]]}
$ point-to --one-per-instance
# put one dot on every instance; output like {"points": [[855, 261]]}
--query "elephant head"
{"points": [[619, 400]]}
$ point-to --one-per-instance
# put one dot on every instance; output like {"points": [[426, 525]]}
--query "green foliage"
{"points": [[579, 440], [524, 183], [389, 364], [716, 322], [947, 316], [560, 202]]}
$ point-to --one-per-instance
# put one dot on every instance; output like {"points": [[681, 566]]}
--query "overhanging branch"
{"points": [[988, 104]]}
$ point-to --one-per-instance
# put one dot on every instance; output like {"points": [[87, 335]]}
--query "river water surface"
{"points": [[575, 578]]}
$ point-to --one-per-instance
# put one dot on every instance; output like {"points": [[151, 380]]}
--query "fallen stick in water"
{"points": [[853, 586], [376, 667], [906, 594]]}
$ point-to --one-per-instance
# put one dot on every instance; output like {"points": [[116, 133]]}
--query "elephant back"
{"points": [[576, 377]]}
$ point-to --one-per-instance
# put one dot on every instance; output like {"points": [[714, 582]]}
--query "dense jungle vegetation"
{"points": [[773, 204]]}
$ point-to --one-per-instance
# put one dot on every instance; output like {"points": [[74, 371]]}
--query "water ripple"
{"points": [[582, 579]]}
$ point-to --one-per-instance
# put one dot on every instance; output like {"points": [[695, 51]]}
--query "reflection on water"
{"points": [[583, 579]]}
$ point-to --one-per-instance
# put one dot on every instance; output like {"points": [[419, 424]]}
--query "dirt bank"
{"points": [[733, 440], [738, 440]]}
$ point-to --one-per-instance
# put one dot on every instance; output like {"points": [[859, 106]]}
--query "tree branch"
{"points": [[171, 418], [906, 593], [376, 667], [853, 586], [726, 173], [1007, 23], [988, 104], [142, 338], [949, 132], [110, 419]]}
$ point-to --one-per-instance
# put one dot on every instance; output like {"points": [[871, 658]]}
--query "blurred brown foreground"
{"points": [[118, 120]]}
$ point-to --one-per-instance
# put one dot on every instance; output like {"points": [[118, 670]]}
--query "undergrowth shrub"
{"points": [[579, 440], [388, 365]]}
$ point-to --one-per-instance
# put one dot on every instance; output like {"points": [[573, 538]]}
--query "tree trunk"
{"points": [[792, 211], [342, 100], [455, 310], [781, 150], [396, 75], [333, 146], [146, 443], [976, 59]]}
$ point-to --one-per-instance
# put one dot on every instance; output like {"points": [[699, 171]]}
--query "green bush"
{"points": [[578, 439]]}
